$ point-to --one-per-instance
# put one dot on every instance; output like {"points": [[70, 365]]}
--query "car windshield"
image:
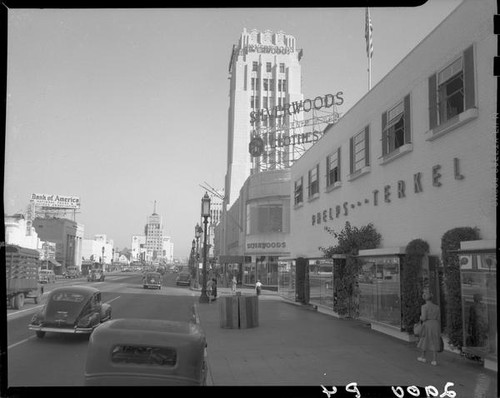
{"points": [[68, 297]]}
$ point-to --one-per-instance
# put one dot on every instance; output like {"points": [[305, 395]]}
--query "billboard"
{"points": [[55, 201]]}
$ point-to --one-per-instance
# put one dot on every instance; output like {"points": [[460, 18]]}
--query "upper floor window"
{"points": [[451, 90], [268, 66], [360, 150], [298, 191], [264, 217], [253, 83], [396, 126], [266, 84], [255, 66], [265, 102], [271, 84], [282, 68], [333, 168], [281, 85], [314, 181]]}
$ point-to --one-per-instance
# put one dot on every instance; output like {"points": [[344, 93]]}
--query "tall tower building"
{"points": [[154, 237], [264, 73]]}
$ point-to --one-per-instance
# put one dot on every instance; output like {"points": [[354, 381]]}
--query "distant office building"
{"points": [[168, 250], [138, 248], [68, 237], [154, 238], [265, 73]]}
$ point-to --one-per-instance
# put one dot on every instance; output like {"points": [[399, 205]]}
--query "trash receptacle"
{"points": [[249, 311], [239, 312], [228, 312]]}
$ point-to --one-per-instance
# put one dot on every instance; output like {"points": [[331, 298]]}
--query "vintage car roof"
{"points": [[185, 337], [152, 273], [83, 290]]}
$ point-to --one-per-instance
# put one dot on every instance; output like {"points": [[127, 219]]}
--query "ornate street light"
{"points": [[197, 233], [205, 213]]}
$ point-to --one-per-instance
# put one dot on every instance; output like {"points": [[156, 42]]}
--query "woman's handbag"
{"points": [[417, 329], [441, 345]]}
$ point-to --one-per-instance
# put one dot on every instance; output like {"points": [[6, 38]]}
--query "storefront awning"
{"points": [[54, 262], [228, 259]]}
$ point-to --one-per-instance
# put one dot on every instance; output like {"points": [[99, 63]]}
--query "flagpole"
{"points": [[369, 45], [369, 73]]}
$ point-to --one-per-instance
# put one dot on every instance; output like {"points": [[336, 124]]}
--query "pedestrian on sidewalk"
{"points": [[258, 287], [214, 289], [430, 338], [210, 290], [233, 284]]}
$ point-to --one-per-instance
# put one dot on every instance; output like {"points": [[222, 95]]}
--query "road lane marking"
{"points": [[109, 301], [27, 309], [20, 342]]}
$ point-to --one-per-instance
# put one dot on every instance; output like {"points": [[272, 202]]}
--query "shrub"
{"points": [[453, 297], [412, 283], [345, 273]]}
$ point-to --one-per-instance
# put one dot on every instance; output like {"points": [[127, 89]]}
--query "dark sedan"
{"points": [[183, 279], [71, 309]]}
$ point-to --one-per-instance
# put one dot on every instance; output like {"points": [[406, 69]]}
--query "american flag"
{"points": [[368, 34]]}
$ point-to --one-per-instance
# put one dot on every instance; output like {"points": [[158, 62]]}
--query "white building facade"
{"points": [[264, 72], [138, 247], [99, 249], [416, 158]]}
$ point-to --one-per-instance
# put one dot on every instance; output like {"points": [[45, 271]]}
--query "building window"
{"points": [[265, 102], [266, 84], [298, 191], [255, 66], [333, 168], [271, 84], [268, 67], [282, 68], [252, 101], [396, 127], [253, 83], [282, 85], [262, 218], [359, 145], [313, 181], [451, 90]]}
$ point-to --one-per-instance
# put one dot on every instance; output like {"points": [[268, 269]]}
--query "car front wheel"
{"points": [[40, 334]]}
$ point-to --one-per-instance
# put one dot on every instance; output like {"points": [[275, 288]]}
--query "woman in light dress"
{"points": [[430, 338]]}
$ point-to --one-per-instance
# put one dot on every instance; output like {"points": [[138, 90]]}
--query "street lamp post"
{"points": [[205, 213], [193, 261], [197, 233]]}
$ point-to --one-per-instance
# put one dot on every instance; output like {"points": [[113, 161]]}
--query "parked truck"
{"points": [[22, 266]]}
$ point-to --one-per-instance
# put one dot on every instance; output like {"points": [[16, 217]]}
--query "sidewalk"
{"points": [[295, 346]]}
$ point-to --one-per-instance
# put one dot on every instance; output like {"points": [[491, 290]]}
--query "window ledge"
{"points": [[359, 173], [403, 149], [298, 205], [314, 197], [451, 124], [335, 185]]}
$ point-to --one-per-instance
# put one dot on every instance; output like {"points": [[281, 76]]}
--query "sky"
{"points": [[125, 107]]}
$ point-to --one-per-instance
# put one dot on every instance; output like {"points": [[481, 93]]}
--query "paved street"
{"points": [[295, 346]]}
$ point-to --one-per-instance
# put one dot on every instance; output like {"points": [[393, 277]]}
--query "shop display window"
{"points": [[479, 304], [286, 279], [380, 290], [321, 282]]}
